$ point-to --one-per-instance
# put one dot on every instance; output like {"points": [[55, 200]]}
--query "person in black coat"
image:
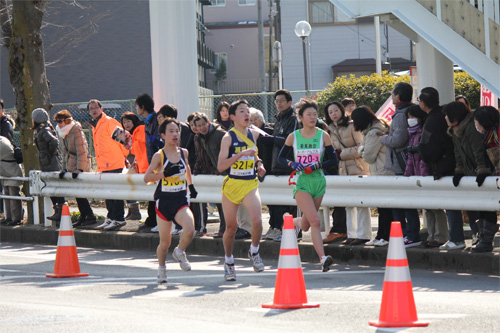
{"points": [[436, 148]]}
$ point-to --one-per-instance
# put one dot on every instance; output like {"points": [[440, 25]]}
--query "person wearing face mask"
{"points": [[471, 160], [415, 167], [75, 159]]}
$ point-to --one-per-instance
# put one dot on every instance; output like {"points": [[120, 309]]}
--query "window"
{"points": [[322, 12], [246, 2], [218, 58], [218, 2]]}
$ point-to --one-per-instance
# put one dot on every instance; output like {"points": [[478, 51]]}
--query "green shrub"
{"points": [[373, 90]]}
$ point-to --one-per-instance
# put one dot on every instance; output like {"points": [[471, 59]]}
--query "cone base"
{"points": [[291, 306], [66, 275], [378, 323]]}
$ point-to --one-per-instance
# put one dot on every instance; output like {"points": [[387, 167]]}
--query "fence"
{"points": [[341, 191]]}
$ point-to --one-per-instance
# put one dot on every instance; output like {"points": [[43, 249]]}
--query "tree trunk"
{"points": [[27, 75]]}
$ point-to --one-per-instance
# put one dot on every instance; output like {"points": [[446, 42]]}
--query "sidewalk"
{"points": [[129, 237]]}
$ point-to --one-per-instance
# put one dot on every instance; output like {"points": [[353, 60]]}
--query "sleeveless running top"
{"points": [[308, 151], [175, 185], [244, 167]]}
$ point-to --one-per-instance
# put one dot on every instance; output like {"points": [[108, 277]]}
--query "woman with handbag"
{"points": [[346, 141]]}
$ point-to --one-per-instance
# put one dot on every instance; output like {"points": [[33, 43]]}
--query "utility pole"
{"points": [[262, 60], [270, 73]]}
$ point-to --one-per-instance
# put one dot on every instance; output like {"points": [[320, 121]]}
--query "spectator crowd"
{"points": [[422, 139]]}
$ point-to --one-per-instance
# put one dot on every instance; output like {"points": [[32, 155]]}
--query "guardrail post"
{"points": [[47, 209]]}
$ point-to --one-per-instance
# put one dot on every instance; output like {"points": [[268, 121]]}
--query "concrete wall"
{"points": [[113, 63]]}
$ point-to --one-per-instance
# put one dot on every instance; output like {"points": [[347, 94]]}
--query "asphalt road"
{"points": [[121, 295]]}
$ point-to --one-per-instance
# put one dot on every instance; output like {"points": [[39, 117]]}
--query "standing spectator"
{"points": [[436, 149], [199, 209], [131, 123], [372, 151], [286, 123], [145, 106], [48, 152], [487, 121], [6, 127], [222, 116], [346, 141], [75, 159], [7, 131], [210, 137], [396, 143], [10, 168], [265, 151], [471, 160], [349, 105], [464, 100], [169, 110], [110, 157]]}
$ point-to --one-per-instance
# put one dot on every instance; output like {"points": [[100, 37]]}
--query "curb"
{"points": [[430, 259]]}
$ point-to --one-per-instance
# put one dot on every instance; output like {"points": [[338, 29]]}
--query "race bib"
{"points": [[307, 156], [244, 166], [174, 183]]}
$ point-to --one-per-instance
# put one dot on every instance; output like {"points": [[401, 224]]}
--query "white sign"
{"points": [[387, 110], [488, 98]]}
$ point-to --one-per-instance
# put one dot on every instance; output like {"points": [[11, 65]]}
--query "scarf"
{"points": [[491, 138], [63, 131]]}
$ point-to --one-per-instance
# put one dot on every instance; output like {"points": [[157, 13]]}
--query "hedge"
{"points": [[373, 90]]}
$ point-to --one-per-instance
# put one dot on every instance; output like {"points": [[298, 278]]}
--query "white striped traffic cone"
{"points": [[398, 306], [290, 288], [67, 264]]}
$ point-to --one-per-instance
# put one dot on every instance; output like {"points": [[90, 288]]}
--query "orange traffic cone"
{"points": [[398, 306], [290, 288], [67, 264]]}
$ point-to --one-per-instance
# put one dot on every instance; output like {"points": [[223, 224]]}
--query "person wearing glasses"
{"points": [[286, 123], [75, 159], [110, 157]]}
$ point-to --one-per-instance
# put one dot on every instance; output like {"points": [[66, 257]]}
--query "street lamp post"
{"points": [[303, 30]]}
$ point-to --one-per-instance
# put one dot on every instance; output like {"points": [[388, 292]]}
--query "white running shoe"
{"points": [[107, 222], [155, 229], [258, 265], [162, 275], [229, 272], [449, 245], [382, 242], [114, 224], [372, 242], [326, 262], [180, 256]]}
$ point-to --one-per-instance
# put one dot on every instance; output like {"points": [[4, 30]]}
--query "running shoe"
{"points": [[372, 242], [106, 223], [410, 243], [155, 229], [180, 256], [229, 272], [382, 242], [162, 275], [449, 245], [326, 262], [258, 265], [114, 224]]}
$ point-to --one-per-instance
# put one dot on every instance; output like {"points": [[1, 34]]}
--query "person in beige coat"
{"points": [[10, 168], [75, 159], [346, 142], [373, 152]]}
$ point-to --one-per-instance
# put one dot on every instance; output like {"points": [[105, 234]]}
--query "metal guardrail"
{"points": [[341, 191], [11, 197]]}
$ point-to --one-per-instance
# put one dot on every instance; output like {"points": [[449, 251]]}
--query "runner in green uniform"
{"points": [[309, 145]]}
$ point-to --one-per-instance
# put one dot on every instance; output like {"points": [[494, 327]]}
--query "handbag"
{"points": [[402, 157]]}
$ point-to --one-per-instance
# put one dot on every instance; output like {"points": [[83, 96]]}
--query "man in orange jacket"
{"points": [[110, 157]]}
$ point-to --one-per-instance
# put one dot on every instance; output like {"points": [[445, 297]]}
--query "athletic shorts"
{"points": [[237, 189], [168, 208], [315, 186]]}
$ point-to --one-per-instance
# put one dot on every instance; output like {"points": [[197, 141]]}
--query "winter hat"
{"points": [[39, 116]]}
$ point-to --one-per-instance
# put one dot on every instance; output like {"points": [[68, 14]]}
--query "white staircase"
{"points": [[465, 31]]}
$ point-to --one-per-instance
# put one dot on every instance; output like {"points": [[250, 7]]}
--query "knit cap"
{"points": [[39, 116]]}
